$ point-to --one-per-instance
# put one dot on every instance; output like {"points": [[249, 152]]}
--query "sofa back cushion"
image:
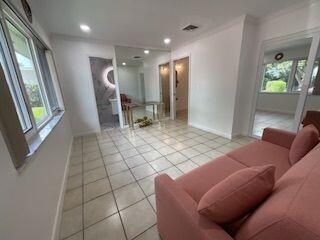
{"points": [[238, 194], [306, 139], [292, 210]]}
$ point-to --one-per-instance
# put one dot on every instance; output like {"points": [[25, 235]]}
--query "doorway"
{"points": [[288, 84], [181, 75], [165, 87], [105, 92]]}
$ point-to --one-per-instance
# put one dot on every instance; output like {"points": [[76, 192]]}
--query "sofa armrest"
{"points": [[278, 137], [178, 217]]}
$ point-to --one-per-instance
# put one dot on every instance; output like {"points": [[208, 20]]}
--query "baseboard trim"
{"points": [[222, 134], [85, 133], [275, 111], [58, 217]]}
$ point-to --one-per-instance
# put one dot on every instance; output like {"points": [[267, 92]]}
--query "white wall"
{"points": [[129, 82], [278, 102], [290, 21], [312, 103], [214, 76], [224, 68], [29, 205], [30, 201], [299, 52], [285, 102], [245, 88], [72, 56]]}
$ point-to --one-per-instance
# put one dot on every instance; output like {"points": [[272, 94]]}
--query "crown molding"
{"points": [[213, 31], [296, 7]]}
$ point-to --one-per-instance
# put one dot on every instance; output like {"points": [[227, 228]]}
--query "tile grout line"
{"points": [[114, 198], [141, 136], [82, 188], [118, 212], [145, 231], [136, 181]]}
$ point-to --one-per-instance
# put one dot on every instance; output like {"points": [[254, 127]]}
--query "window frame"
{"points": [[16, 80], [264, 73], [49, 92], [13, 82], [293, 70]]}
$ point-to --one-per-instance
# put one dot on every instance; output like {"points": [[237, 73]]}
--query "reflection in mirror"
{"points": [[105, 93], [181, 75], [282, 77], [311, 111], [140, 83], [164, 70]]}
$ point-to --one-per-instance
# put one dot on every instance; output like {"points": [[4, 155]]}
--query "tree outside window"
{"points": [[276, 76]]}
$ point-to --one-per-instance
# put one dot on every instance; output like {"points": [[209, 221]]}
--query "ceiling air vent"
{"points": [[190, 28], [136, 57]]}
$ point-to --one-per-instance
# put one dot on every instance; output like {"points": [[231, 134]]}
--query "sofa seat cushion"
{"points": [[263, 153], [292, 211], [197, 182], [238, 194]]}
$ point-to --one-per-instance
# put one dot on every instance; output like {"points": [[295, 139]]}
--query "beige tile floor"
{"points": [[140, 113], [110, 191], [265, 119]]}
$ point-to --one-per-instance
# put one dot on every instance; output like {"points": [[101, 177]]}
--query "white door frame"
{"points": [[315, 35], [116, 81], [173, 96], [306, 81], [160, 83]]}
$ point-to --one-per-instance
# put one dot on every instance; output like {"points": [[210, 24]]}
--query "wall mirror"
{"points": [[142, 93], [288, 85]]}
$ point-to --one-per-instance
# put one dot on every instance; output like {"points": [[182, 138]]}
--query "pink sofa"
{"points": [[291, 212]]}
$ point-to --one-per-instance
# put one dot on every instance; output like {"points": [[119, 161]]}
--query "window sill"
{"points": [[36, 142], [281, 93]]}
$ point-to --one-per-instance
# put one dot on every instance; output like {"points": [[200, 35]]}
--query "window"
{"points": [[46, 76], [22, 49], [15, 90], [25, 63], [287, 76], [276, 76]]}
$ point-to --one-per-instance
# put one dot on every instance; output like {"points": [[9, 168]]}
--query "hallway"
{"points": [[111, 180]]}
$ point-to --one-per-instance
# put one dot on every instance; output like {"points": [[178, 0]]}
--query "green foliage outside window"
{"points": [[39, 113], [34, 95], [36, 102], [276, 86], [276, 76]]}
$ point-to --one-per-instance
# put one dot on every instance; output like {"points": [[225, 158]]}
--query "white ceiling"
{"points": [[146, 22], [127, 54]]}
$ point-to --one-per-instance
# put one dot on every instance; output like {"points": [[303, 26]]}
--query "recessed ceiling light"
{"points": [[123, 64], [167, 40], [146, 51], [85, 28]]}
